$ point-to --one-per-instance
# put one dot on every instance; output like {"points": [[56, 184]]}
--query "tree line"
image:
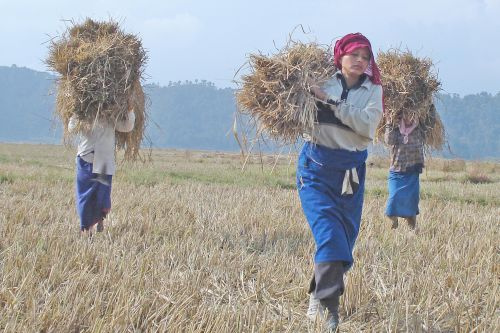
{"points": [[198, 115]]}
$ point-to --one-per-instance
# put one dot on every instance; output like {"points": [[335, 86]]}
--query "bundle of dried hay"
{"points": [[275, 94], [130, 142], [100, 70], [410, 86]]}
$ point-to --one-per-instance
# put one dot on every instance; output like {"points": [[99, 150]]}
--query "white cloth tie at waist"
{"points": [[351, 182]]}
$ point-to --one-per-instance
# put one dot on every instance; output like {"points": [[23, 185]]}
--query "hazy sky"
{"points": [[202, 39]]}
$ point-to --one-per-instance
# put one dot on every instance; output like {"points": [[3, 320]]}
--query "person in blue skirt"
{"points": [[95, 166], [331, 168], [406, 146]]}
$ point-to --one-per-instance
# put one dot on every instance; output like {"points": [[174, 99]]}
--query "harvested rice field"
{"points": [[193, 244]]}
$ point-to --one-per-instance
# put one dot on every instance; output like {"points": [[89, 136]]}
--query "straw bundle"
{"points": [[100, 70], [130, 142], [433, 129], [410, 86], [276, 91]]}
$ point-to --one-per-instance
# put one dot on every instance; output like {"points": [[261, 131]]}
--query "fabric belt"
{"points": [[351, 182]]}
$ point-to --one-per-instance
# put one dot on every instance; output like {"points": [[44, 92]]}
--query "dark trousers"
{"points": [[327, 284]]}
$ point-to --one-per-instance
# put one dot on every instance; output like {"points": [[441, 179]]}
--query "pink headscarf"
{"points": [[347, 45], [405, 131]]}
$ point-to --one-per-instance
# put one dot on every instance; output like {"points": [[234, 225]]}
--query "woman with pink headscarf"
{"points": [[331, 168], [406, 147]]}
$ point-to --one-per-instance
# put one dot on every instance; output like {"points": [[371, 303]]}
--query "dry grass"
{"points": [[184, 251], [100, 69], [276, 91], [410, 86], [477, 177]]}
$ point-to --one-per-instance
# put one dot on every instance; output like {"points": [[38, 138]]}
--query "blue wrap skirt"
{"points": [[93, 198], [404, 194], [334, 218]]}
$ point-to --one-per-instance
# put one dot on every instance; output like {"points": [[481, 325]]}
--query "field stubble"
{"points": [[195, 245]]}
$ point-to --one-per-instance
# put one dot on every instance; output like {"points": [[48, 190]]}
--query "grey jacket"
{"points": [[359, 113]]}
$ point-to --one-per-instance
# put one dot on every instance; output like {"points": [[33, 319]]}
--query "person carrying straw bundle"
{"points": [[95, 167], [331, 168], [406, 146], [100, 101], [410, 127]]}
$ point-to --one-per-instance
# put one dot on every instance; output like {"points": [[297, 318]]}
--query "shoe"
{"points": [[412, 222], [332, 318], [332, 321], [87, 233], [315, 308], [100, 226], [394, 221]]}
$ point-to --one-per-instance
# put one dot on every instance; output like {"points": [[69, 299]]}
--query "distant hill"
{"points": [[25, 105], [472, 124], [198, 115], [192, 115]]}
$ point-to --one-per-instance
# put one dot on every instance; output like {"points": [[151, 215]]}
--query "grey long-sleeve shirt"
{"points": [[98, 145], [359, 113]]}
